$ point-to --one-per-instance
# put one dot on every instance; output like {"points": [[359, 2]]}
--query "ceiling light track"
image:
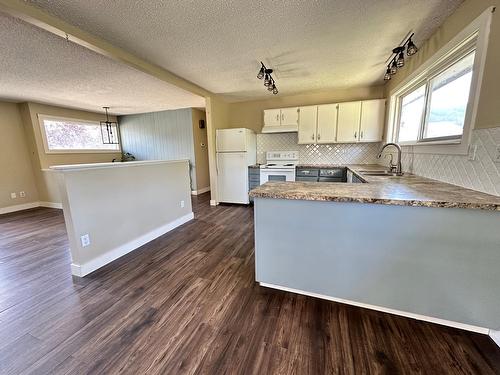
{"points": [[398, 57], [269, 82]]}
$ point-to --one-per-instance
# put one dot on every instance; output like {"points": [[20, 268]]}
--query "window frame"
{"points": [[472, 38], [42, 118]]}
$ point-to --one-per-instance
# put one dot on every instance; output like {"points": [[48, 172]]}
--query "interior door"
{"points": [[232, 177], [327, 123], [307, 124], [231, 140], [348, 118], [290, 116], [372, 120], [272, 117]]}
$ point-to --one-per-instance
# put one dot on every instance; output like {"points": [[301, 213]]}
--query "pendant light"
{"points": [[109, 136]]}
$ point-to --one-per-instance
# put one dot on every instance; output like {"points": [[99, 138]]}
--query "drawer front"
{"points": [[333, 172], [331, 179], [310, 179], [307, 172]]}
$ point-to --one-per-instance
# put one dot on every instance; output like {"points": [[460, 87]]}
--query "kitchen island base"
{"points": [[431, 263]]}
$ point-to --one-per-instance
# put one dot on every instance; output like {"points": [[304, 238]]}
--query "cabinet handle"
{"points": [[277, 117], [312, 137], [319, 137], [361, 134], [355, 135], [282, 117]]}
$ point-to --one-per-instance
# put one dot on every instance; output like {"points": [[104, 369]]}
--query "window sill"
{"points": [[118, 151]]}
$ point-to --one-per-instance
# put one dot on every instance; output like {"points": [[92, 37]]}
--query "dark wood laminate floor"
{"points": [[187, 303]]}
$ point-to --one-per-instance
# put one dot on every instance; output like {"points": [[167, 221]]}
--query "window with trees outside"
{"points": [[72, 135], [435, 109]]}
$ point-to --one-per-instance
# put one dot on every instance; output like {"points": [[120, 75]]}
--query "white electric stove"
{"points": [[280, 166]]}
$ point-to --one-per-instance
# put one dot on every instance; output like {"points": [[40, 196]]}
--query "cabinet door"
{"points": [[372, 120], [272, 117], [307, 124], [327, 123], [290, 116], [348, 122]]}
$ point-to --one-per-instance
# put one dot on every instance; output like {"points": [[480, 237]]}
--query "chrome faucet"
{"points": [[394, 168]]}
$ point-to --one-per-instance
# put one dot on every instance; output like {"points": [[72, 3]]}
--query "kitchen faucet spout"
{"points": [[397, 168]]}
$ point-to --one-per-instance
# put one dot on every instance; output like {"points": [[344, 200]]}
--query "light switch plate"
{"points": [[85, 240], [13, 195], [472, 152]]}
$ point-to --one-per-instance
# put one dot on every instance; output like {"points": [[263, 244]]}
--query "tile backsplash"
{"points": [[482, 174], [341, 153]]}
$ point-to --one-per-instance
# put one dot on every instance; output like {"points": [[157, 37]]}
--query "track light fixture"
{"points": [[269, 82], [398, 57]]}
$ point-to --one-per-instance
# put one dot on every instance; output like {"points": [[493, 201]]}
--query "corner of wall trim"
{"points": [[84, 269], [495, 336], [51, 205]]}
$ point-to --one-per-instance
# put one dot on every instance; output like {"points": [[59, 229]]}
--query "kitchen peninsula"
{"points": [[407, 245]]}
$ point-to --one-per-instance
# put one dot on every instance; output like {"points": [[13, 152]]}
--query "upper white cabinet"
{"points": [[349, 118], [272, 117], [281, 120], [327, 123], [308, 120], [371, 127], [318, 124], [349, 122]]}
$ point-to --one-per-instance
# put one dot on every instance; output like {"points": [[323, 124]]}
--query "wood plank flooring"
{"points": [[187, 303]]}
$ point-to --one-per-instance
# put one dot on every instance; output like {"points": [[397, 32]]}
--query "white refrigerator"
{"points": [[236, 150]]}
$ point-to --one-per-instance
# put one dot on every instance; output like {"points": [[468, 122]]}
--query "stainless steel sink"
{"points": [[377, 173]]}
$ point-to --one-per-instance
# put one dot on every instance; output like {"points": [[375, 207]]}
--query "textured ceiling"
{"points": [[36, 65], [217, 44]]}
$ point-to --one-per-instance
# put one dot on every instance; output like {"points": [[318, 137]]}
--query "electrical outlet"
{"points": [[13, 195], [497, 156], [182, 204], [85, 240], [472, 152], [22, 194]]}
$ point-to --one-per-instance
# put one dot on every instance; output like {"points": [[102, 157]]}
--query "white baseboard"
{"points": [[213, 202], [18, 207], [51, 205], [424, 318], [495, 335], [113, 254], [200, 191], [27, 206]]}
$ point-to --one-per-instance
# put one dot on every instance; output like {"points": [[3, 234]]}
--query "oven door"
{"points": [[270, 174]]}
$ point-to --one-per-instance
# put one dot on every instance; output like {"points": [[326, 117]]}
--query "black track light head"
{"points": [[412, 48], [394, 67], [387, 76], [400, 62]]}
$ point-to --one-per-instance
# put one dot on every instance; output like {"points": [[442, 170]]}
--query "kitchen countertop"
{"points": [[406, 190]]}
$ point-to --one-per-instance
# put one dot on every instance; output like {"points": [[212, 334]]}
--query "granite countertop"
{"points": [[407, 190]]}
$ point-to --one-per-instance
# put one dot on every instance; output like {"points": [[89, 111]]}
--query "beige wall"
{"points": [[217, 118], [120, 206], [16, 173], [489, 99], [249, 114], [200, 152], [41, 161]]}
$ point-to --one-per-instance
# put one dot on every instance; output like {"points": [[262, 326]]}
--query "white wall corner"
{"points": [[495, 335], [213, 202], [81, 270]]}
